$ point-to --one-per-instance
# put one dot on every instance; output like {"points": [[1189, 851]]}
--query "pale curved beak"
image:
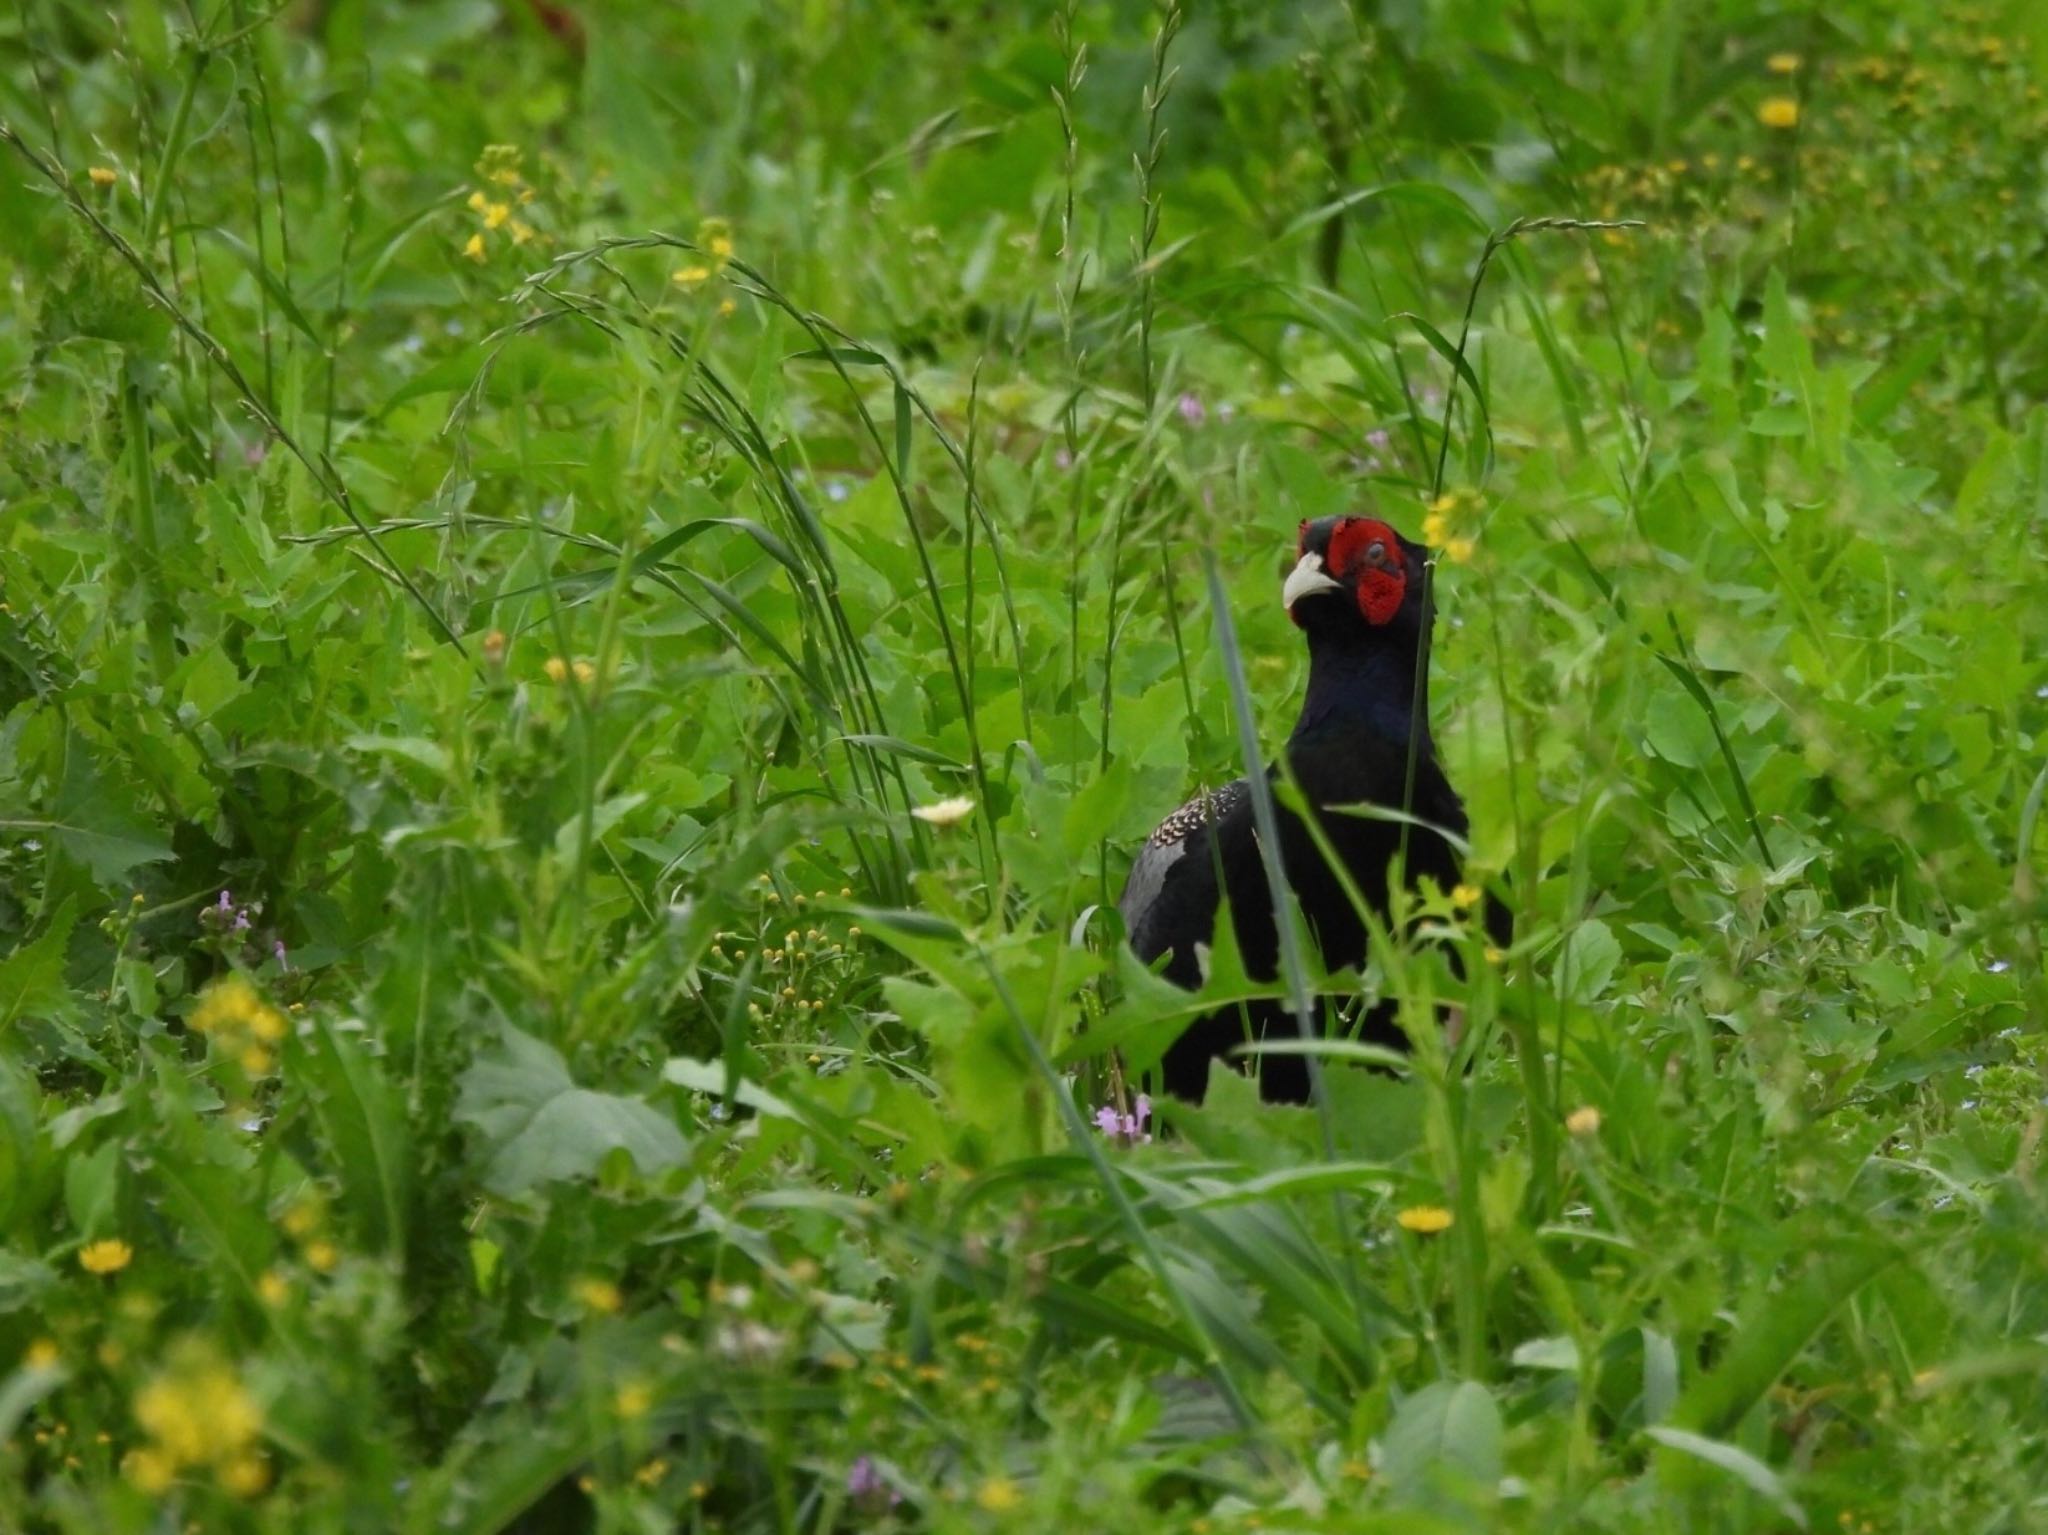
{"points": [[1305, 580]]}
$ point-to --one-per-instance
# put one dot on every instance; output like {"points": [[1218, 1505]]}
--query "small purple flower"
{"points": [[1378, 440], [227, 902], [241, 922], [1190, 407], [868, 1488], [278, 949], [1129, 1129]]}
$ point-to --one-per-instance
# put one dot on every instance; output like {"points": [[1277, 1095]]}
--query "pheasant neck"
{"points": [[1369, 685]]}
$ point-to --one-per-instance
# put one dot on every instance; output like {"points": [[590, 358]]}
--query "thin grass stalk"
{"points": [[1157, 88]]}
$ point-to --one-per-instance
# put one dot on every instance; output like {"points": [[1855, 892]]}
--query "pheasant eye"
{"points": [[1376, 551]]}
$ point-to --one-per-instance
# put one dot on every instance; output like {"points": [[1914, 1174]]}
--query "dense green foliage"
{"points": [[505, 512]]}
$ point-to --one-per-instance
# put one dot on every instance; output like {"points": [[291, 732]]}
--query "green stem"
{"points": [[163, 650], [174, 146]]}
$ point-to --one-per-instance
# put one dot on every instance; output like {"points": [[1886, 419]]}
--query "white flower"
{"points": [[947, 812]]}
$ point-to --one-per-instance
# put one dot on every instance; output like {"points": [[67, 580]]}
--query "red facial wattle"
{"points": [[1380, 585]]}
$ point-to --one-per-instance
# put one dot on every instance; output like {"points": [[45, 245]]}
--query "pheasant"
{"points": [[1356, 593]]}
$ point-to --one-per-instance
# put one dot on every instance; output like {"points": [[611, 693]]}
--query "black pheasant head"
{"points": [[1356, 579]]}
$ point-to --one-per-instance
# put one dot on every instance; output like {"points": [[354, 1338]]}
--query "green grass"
{"points": [[530, 516]]}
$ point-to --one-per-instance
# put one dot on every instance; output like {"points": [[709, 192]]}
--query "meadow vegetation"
{"points": [[597, 596]]}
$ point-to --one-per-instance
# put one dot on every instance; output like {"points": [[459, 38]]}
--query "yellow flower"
{"points": [[268, 1024], [728, 306], [495, 214], [1465, 897], [105, 1257], [1782, 63], [102, 176], [322, 1257], [478, 202], [651, 1474], [1779, 112], [229, 1005], [272, 1288], [1436, 529], [257, 1061], [1583, 1121], [41, 1355], [302, 1219], [946, 812], [150, 1470], [245, 1476], [1459, 550], [691, 276], [633, 1399], [197, 1412], [1495, 955], [520, 230], [474, 250], [585, 672], [1424, 1220], [598, 1294], [998, 1495]]}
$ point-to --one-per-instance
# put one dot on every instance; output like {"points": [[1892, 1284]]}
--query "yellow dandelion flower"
{"points": [[1459, 551], [596, 1293], [245, 1476], [43, 1354], [228, 1005], [1583, 1121], [1782, 63], [691, 276], [151, 1471], [198, 1412], [556, 668], [272, 1288], [322, 1257], [998, 1495], [1424, 1220], [1465, 897], [102, 176], [474, 250], [633, 1399], [1779, 112], [946, 812], [109, 1256], [495, 214]]}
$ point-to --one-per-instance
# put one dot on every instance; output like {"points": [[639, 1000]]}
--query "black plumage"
{"points": [[1357, 594]]}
